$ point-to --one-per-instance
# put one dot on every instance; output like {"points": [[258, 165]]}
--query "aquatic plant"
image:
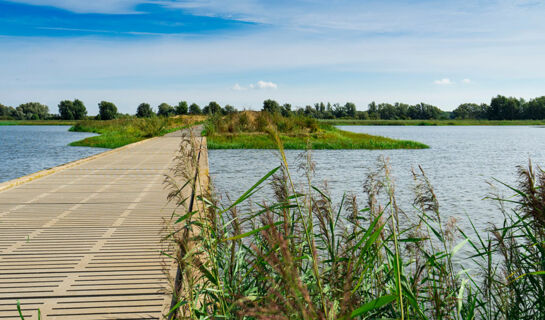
{"points": [[300, 256]]}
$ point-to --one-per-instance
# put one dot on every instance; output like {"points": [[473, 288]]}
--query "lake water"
{"points": [[460, 162], [27, 149]]}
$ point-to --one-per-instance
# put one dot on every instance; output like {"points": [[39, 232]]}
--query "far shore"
{"points": [[452, 122]]}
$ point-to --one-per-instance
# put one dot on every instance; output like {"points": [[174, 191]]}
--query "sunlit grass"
{"points": [[120, 132], [252, 130]]}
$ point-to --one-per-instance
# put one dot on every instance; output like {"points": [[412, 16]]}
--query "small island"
{"points": [[257, 130]]}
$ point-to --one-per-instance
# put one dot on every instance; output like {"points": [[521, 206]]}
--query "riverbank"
{"points": [[258, 130], [353, 122], [120, 132], [37, 122]]}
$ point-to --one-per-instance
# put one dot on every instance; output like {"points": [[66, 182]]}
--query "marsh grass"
{"points": [[300, 256], [119, 132], [252, 130]]}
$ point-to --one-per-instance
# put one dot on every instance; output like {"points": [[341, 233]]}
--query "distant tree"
{"points": [[72, 110], [195, 109], [212, 108], [373, 111], [504, 108], [80, 112], [32, 111], [6, 112], [144, 110], [350, 109], [107, 110], [271, 106], [286, 110], [535, 109], [228, 109], [65, 110], [182, 108], [165, 110], [467, 111]]}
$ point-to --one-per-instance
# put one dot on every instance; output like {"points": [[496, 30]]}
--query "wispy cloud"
{"points": [[443, 82], [466, 81], [257, 86]]}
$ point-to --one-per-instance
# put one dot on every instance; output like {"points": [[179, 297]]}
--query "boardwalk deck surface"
{"points": [[85, 242]]}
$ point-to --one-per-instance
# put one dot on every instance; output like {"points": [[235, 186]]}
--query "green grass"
{"points": [[37, 122], [350, 122], [257, 130], [330, 138], [120, 132]]}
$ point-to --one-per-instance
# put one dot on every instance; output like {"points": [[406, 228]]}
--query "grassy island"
{"points": [[119, 132], [255, 130]]}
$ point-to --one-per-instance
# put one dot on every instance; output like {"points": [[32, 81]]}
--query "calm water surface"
{"points": [[459, 163], [27, 149]]}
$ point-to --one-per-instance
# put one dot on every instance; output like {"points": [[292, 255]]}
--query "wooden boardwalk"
{"points": [[85, 242]]}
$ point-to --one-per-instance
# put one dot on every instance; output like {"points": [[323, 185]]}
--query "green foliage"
{"points": [[119, 132], [252, 130], [271, 106], [299, 255], [107, 110], [72, 110], [195, 109], [31, 111], [144, 110], [212, 108], [182, 108], [165, 110]]}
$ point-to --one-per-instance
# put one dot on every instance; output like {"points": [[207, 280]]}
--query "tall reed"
{"points": [[302, 256]]}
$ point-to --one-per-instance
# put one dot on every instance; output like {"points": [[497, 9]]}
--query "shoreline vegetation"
{"points": [[37, 122], [454, 122], [119, 132], [257, 130], [300, 255]]}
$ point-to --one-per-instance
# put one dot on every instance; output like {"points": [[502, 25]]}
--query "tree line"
{"points": [[76, 110], [500, 108]]}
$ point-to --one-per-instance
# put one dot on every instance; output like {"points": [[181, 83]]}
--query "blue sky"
{"points": [[243, 52]]}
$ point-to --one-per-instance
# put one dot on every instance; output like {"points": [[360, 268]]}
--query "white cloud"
{"points": [[259, 85], [466, 81], [444, 82], [266, 85]]}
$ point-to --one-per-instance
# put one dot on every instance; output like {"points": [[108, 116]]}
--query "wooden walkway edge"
{"points": [[84, 241]]}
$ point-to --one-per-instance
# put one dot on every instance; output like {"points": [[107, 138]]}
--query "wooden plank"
{"points": [[84, 241]]}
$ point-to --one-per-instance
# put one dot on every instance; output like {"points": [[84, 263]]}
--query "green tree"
{"points": [[72, 110], [165, 110], [212, 108], [65, 110], [182, 108], [350, 109], [6, 112], [271, 106], [195, 109], [228, 109], [107, 110], [144, 110], [80, 112], [535, 109], [32, 111], [504, 108]]}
